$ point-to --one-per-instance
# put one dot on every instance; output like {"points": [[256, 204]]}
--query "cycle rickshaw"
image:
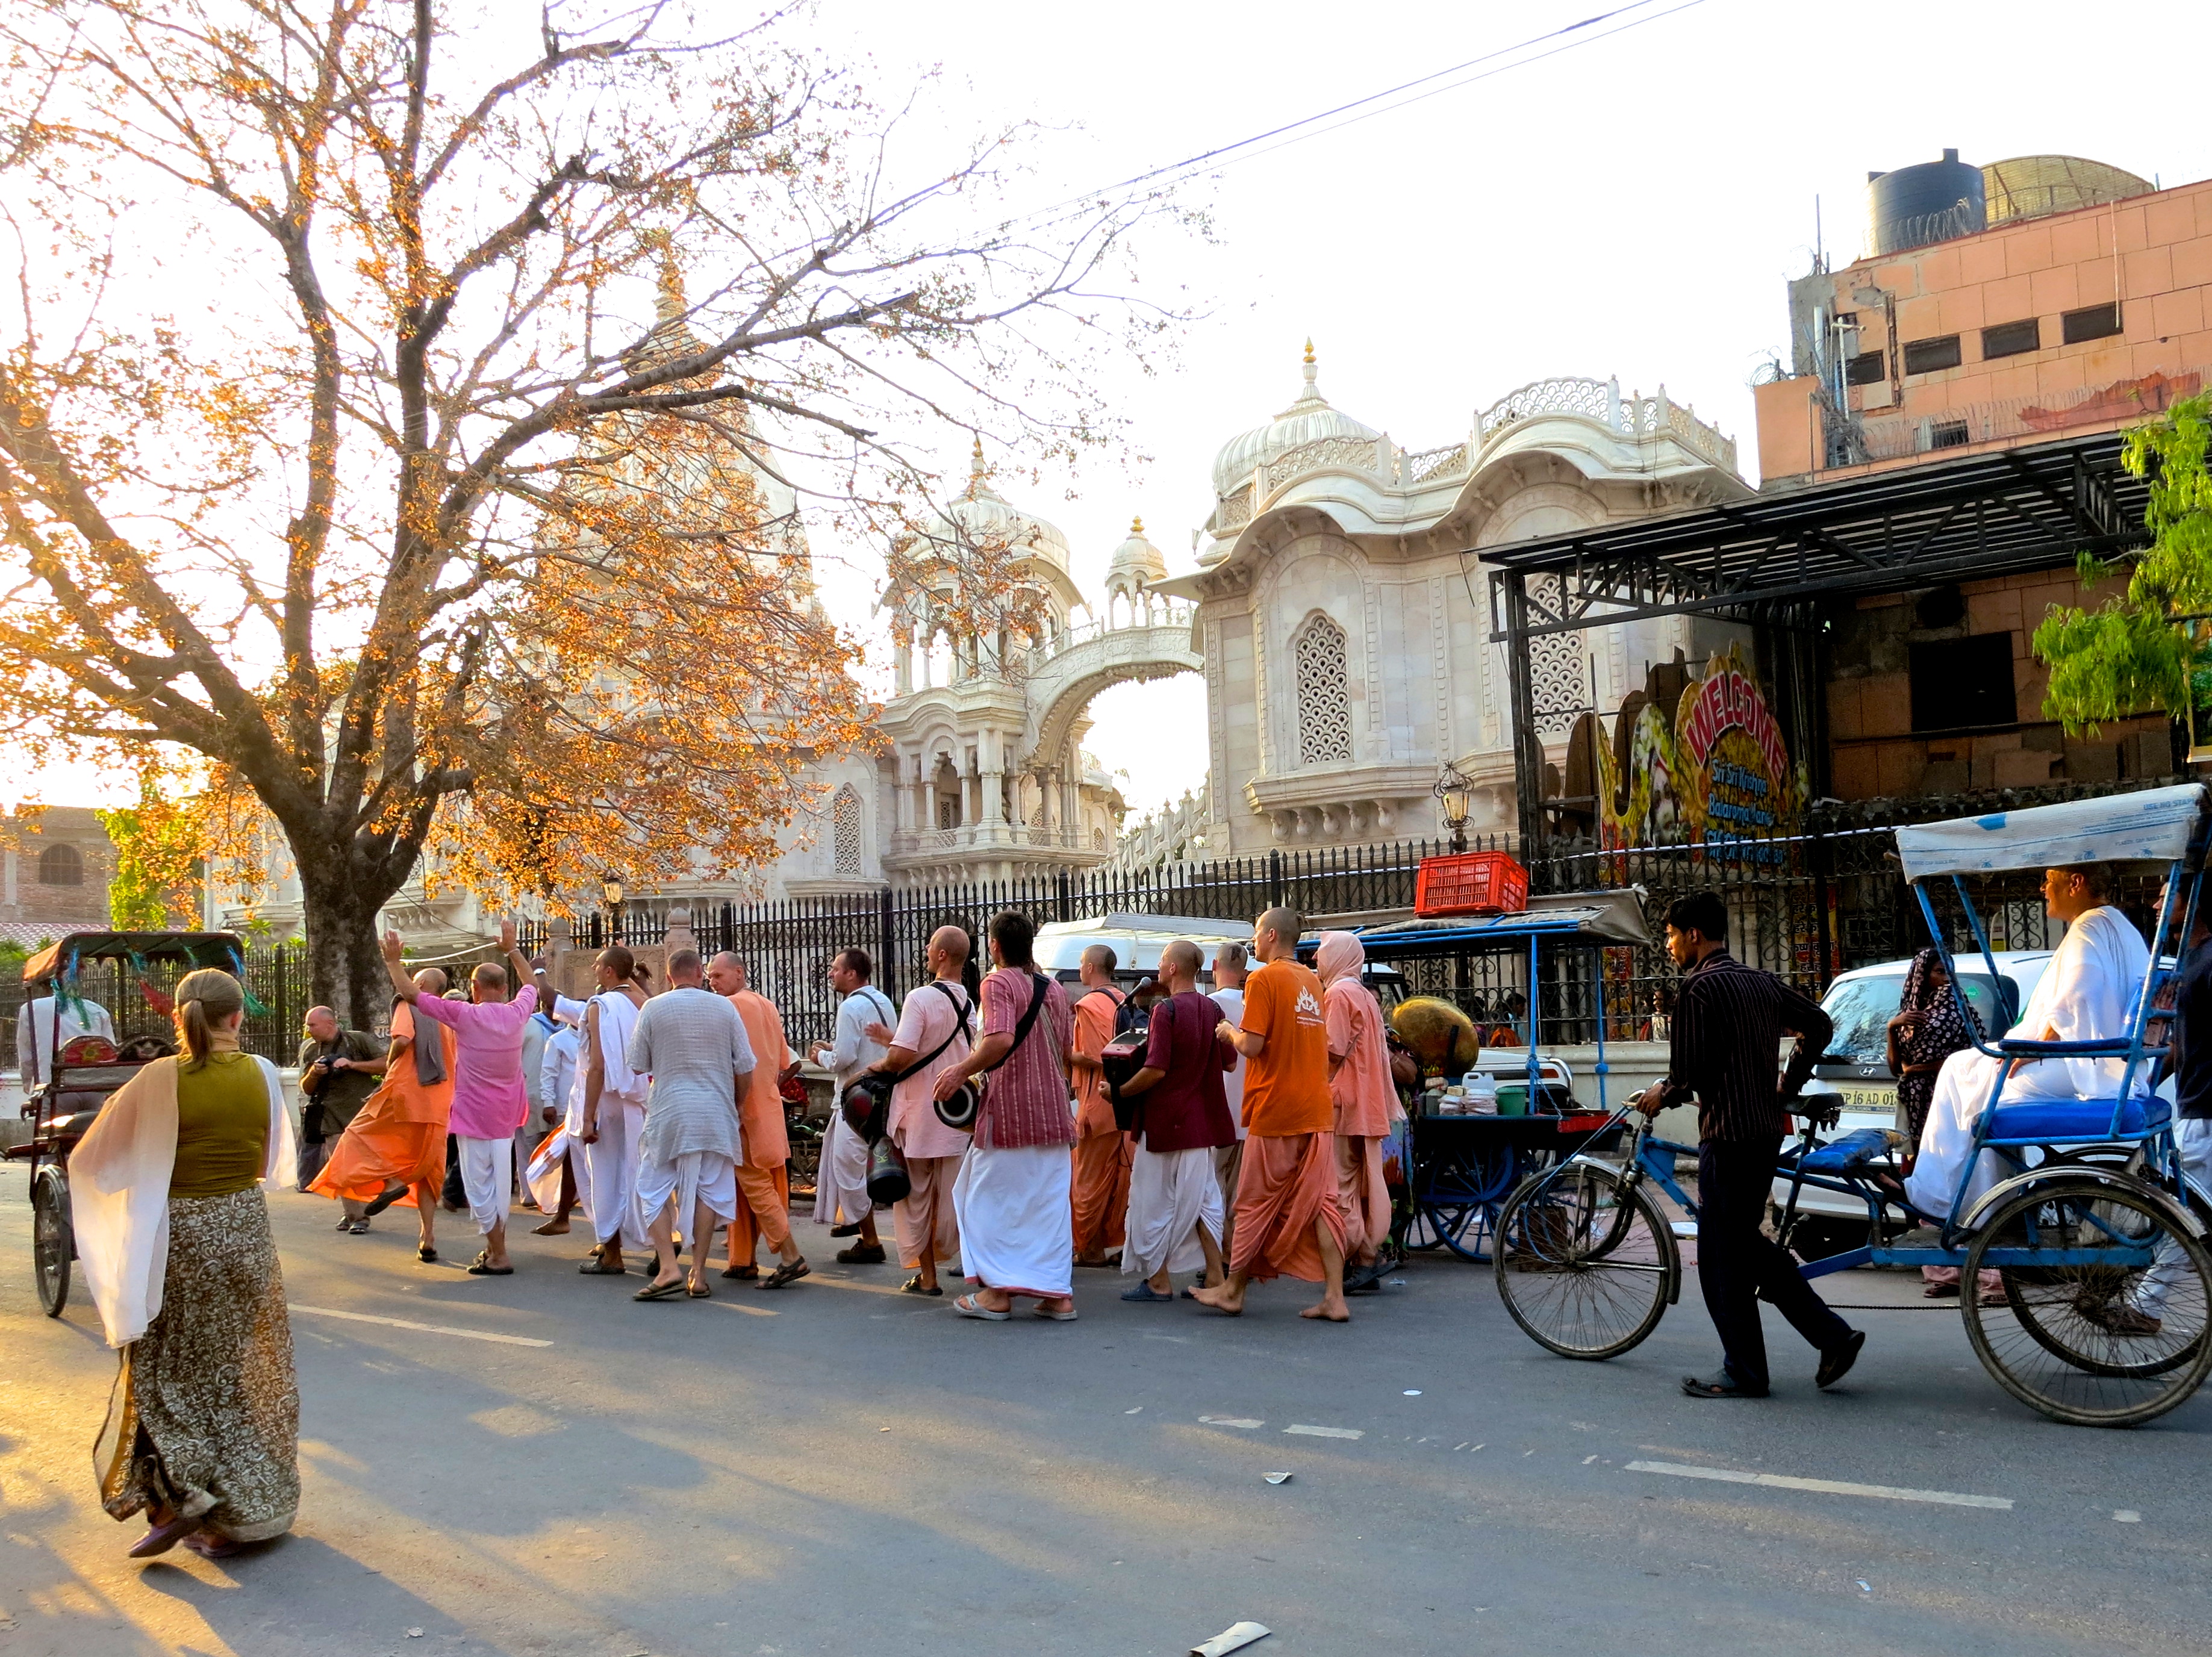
{"points": [[86, 1070], [1463, 1168], [2094, 1213]]}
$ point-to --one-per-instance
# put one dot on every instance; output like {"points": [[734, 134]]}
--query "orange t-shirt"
{"points": [[1287, 1087]]}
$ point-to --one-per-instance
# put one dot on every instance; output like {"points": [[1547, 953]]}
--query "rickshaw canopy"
{"points": [[1597, 917], [2156, 825], [223, 950]]}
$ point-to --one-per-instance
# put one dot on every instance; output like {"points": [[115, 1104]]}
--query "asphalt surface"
{"points": [[837, 1468]]}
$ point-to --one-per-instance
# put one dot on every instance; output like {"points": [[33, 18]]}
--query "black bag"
{"points": [[867, 1100], [960, 1111], [887, 1177], [1124, 1056]]}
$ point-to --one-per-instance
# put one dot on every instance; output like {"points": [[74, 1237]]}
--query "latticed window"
{"points": [[1324, 692], [845, 828]]}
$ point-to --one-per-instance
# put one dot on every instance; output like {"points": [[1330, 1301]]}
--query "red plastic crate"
{"points": [[1470, 883]]}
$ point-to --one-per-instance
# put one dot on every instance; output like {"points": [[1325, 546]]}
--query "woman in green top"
{"points": [[203, 1431]]}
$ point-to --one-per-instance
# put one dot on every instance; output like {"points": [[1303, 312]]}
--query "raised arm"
{"points": [[519, 970], [401, 981]]}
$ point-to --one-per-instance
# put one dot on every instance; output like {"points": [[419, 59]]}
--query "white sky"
{"points": [[1629, 207]]}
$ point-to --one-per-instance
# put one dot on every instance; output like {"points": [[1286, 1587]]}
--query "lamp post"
{"points": [[610, 889], [1455, 788]]}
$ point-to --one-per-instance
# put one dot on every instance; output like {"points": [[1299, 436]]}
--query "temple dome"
{"points": [[1135, 563], [982, 516], [1306, 420]]}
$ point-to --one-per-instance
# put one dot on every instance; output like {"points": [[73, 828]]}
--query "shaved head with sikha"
{"points": [[953, 942]]}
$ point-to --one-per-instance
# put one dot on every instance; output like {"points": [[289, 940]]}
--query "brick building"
{"points": [[54, 870]]}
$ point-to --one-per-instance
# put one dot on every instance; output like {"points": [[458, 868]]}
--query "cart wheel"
{"points": [[1585, 1263], [53, 1245], [1456, 1223], [2073, 1340]]}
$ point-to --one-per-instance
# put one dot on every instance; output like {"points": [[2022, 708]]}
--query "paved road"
{"points": [[837, 1469]]}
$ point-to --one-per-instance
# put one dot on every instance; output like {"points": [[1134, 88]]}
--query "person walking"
{"points": [[1100, 1193], [561, 1183], [489, 1104], [1365, 1101], [394, 1148], [840, 1184], [613, 1116], [1017, 1235], [1288, 1219], [764, 1183], [1231, 969], [1729, 1020], [693, 1044], [1181, 1119], [338, 1070], [172, 1231], [934, 1033]]}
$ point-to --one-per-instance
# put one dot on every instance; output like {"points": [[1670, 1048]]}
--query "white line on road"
{"points": [[1328, 1432], [1822, 1486], [425, 1328], [1231, 1421]]}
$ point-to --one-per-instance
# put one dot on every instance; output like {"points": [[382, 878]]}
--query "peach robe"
{"points": [[1099, 1194], [764, 1179], [1287, 1184], [1361, 1089], [399, 1134]]}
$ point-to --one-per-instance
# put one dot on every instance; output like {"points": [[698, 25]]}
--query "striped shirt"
{"points": [[1729, 1020]]}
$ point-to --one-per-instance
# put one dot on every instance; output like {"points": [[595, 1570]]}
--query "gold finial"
{"points": [[1310, 355], [1137, 527], [979, 446]]}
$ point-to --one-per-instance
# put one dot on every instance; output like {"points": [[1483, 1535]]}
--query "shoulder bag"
{"points": [[867, 1100]]}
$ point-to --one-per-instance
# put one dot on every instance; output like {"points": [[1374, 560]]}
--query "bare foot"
{"points": [[550, 1228], [1220, 1299], [1331, 1310]]}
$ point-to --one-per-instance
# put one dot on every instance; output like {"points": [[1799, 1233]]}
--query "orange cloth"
{"points": [[1287, 1184], [1094, 1029], [925, 1215], [1286, 1086], [763, 1210], [1361, 1089], [1099, 1192], [399, 1134], [760, 1113], [1361, 1196]]}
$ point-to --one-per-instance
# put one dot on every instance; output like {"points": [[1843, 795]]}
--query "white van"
{"points": [[1136, 941]]}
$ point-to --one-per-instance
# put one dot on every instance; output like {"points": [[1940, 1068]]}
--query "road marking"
{"points": [[2127, 1517], [749, 1311], [1821, 1486], [1328, 1432], [425, 1328], [1245, 1422]]}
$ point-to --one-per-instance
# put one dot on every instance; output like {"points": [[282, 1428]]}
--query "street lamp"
{"points": [[1455, 789], [610, 888]]}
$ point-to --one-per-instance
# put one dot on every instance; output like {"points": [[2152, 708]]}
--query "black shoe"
{"points": [[1835, 1362], [844, 1230], [1720, 1385]]}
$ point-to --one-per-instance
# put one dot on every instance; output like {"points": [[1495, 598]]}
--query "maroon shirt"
{"points": [[1188, 1108], [1025, 1099]]}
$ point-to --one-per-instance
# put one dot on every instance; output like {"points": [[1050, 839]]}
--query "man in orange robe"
{"points": [[1103, 1156], [764, 1175], [1289, 1221], [394, 1148]]}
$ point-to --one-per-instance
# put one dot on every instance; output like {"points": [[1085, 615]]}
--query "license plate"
{"points": [[1869, 1098]]}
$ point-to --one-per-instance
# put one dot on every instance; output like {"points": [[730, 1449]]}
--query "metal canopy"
{"points": [[1983, 516]]}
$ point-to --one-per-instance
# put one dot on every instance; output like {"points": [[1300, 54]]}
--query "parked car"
{"points": [[1136, 941]]}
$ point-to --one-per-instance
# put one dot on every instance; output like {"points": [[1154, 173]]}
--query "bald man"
{"points": [[1289, 1220], [938, 1024], [763, 1212], [1099, 1195]]}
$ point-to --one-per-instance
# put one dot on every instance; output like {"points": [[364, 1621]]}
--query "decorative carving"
{"points": [[1557, 679], [1433, 465], [1319, 658], [845, 828], [1234, 512], [1325, 453]]}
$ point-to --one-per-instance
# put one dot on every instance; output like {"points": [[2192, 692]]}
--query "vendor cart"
{"points": [[86, 1069], [1462, 1168]]}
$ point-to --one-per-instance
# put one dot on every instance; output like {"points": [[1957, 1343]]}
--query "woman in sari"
{"points": [[202, 1428], [1926, 1031]]}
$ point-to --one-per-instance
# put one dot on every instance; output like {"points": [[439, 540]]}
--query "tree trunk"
{"points": [[346, 966]]}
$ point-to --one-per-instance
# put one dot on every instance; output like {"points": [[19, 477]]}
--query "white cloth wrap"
{"points": [[1016, 1227], [1171, 1194], [610, 1165], [487, 1175], [688, 1179], [840, 1183]]}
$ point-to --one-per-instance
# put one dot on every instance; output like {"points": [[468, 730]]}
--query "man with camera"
{"points": [[339, 1068]]}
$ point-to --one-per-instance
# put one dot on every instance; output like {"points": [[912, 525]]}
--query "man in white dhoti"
{"points": [[613, 1093], [2085, 994], [558, 1175], [693, 1044], [1176, 1208], [840, 1184]]}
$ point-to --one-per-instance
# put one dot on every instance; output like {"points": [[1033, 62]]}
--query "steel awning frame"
{"points": [[1975, 519]]}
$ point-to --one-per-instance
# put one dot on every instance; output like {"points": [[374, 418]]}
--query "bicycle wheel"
{"points": [[53, 1244], [2109, 1329], [1585, 1263]]}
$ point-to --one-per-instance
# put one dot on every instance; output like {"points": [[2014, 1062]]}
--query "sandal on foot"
{"points": [[382, 1200], [698, 1291], [912, 1285], [742, 1273], [1721, 1386], [208, 1545], [1068, 1316], [660, 1291], [160, 1539], [791, 1272], [597, 1266], [1144, 1292], [861, 1254], [483, 1268], [425, 1253], [969, 1307], [844, 1230]]}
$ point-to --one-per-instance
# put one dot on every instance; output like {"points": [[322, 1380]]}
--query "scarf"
{"points": [[1940, 1032], [1338, 954], [430, 1055]]}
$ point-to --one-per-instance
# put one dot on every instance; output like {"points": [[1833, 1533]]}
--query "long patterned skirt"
{"points": [[204, 1419]]}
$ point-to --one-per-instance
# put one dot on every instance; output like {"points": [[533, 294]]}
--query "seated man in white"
{"points": [[2085, 994], [36, 1030]]}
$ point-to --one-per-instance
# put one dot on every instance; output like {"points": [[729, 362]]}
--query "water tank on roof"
{"points": [[2031, 186], [1931, 202]]}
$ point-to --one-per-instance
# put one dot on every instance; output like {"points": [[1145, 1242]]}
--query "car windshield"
{"points": [[1863, 1007]]}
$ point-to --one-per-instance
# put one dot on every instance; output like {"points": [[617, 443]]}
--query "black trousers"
{"points": [[1737, 1263]]}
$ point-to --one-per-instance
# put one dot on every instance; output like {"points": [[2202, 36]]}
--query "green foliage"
{"points": [[158, 861], [2150, 648]]}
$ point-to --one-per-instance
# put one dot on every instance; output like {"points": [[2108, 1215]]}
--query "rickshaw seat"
{"points": [[1855, 1149], [2047, 1121]]}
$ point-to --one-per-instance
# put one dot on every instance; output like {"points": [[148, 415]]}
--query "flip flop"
{"points": [[1068, 1316], [485, 1269], [701, 1292], [660, 1291], [425, 1253], [596, 1267], [1144, 1292], [382, 1200], [913, 1286], [969, 1307]]}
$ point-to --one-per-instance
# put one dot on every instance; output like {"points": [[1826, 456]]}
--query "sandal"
{"points": [[425, 1253], [744, 1273], [1144, 1292], [791, 1272], [698, 1291], [660, 1291], [382, 1200], [208, 1545], [969, 1307], [913, 1286], [160, 1539], [861, 1254], [1720, 1385], [597, 1266], [483, 1268], [1068, 1316]]}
